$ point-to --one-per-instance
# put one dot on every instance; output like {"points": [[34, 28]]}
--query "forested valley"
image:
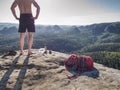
{"points": [[100, 41]]}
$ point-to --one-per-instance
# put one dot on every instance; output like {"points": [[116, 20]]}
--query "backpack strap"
{"points": [[74, 67], [75, 64], [83, 64]]}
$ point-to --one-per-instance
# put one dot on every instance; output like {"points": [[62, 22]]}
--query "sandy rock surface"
{"points": [[47, 72]]}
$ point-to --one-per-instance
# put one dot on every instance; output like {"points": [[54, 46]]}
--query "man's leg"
{"points": [[30, 41], [22, 37]]}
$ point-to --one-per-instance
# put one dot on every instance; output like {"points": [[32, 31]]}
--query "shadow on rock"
{"points": [[94, 73]]}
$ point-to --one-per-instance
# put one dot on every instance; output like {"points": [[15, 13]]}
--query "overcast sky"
{"points": [[69, 12]]}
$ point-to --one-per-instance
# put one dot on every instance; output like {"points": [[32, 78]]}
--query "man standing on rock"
{"points": [[26, 20]]}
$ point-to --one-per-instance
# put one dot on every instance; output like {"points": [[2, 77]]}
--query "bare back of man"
{"points": [[24, 6]]}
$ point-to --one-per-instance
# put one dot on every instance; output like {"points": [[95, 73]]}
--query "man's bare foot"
{"points": [[21, 52], [30, 53]]}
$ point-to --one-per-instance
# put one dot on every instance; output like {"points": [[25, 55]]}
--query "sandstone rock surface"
{"points": [[47, 72]]}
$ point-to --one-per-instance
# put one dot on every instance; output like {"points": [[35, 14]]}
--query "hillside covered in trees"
{"points": [[101, 41]]}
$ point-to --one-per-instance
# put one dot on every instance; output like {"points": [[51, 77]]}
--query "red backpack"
{"points": [[79, 63], [85, 63]]}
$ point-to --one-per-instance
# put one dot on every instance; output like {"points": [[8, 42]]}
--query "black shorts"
{"points": [[26, 22]]}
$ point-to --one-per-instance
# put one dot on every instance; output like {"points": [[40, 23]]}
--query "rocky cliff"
{"points": [[47, 72]]}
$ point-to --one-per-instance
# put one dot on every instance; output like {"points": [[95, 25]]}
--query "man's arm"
{"points": [[38, 9], [13, 6]]}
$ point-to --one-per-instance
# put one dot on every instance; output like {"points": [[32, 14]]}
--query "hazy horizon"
{"points": [[69, 12], [60, 24]]}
